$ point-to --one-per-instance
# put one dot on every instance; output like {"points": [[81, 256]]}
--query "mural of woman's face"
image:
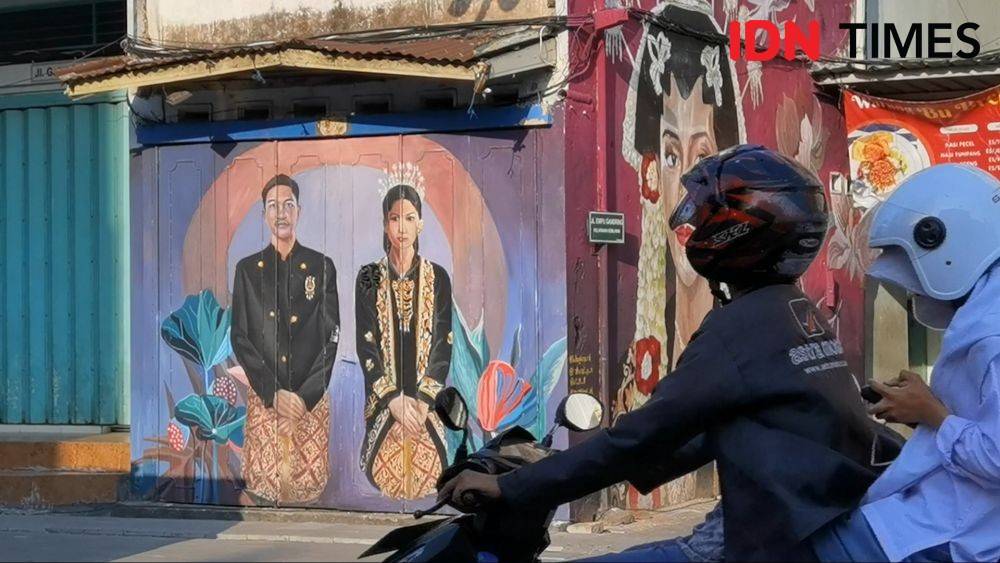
{"points": [[281, 212], [402, 224], [687, 134]]}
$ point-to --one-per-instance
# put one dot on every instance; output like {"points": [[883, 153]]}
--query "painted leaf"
{"points": [[197, 377], [478, 338], [839, 251], [464, 370], [463, 326], [210, 417], [546, 377], [227, 431], [515, 351], [787, 127], [237, 438], [821, 138], [171, 403], [860, 241], [842, 211], [505, 399], [550, 368], [199, 330]]}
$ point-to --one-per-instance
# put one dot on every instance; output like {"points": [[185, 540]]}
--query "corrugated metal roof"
{"points": [[911, 79], [462, 50]]}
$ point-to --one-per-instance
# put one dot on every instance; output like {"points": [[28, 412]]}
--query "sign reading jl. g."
{"points": [[606, 228]]}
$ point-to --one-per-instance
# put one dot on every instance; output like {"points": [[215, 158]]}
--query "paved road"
{"points": [[75, 547], [72, 547], [60, 537]]}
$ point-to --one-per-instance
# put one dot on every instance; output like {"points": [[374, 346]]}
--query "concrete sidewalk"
{"points": [[82, 537]]}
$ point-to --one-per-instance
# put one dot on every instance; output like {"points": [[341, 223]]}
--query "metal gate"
{"points": [[64, 335], [227, 328]]}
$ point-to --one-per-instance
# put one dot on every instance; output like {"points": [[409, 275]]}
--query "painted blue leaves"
{"points": [[498, 397], [467, 358], [211, 418], [546, 376], [199, 331]]}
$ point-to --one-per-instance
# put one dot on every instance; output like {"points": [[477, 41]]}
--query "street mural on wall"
{"points": [[686, 100], [314, 296]]}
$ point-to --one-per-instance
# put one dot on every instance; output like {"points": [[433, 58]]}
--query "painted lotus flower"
{"points": [[755, 83], [211, 418], [647, 373], [471, 365], [768, 10], [848, 247], [504, 398], [801, 135], [730, 8], [199, 331]]}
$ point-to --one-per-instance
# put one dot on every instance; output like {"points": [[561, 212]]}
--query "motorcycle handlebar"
{"points": [[470, 499], [421, 513]]}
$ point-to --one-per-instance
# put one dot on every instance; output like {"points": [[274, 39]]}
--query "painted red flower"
{"points": [[647, 360], [649, 177]]}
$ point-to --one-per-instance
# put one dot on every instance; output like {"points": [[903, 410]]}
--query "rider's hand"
{"points": [[484, 487], [908, 400]]}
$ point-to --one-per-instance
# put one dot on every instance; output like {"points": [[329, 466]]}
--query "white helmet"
{"points": [[939, 231]]}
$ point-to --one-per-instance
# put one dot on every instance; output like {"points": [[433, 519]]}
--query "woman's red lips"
{"points": [[683, 234]]}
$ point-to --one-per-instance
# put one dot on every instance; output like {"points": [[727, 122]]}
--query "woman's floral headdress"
{"points": [[402, 174]]}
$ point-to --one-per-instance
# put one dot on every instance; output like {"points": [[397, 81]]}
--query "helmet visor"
{"points": [[893, 266], [684, 213], [702, 186]]}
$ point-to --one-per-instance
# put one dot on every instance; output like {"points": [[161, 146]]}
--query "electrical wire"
{"points": [[580, 59], [168, 47]]}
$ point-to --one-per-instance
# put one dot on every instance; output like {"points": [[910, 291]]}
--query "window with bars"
{"points": [[61, 31]]}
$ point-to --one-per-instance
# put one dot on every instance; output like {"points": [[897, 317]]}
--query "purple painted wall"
{"points": [[493, 220]]}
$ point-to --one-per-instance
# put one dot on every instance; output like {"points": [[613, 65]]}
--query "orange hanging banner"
{"points": [[889, 140]]}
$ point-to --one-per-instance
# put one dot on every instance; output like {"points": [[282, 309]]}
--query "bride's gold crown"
{"points": [[402, 174]]}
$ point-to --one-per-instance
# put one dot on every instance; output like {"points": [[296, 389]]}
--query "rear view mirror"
{"points": [[451, 409], [580, 412]]}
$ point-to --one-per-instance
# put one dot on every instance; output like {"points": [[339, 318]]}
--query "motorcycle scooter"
{"points": [[493, 534]]}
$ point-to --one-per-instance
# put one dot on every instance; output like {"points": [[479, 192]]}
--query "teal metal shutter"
{"points": [[64, 324]]}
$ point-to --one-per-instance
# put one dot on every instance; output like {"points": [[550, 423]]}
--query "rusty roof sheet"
{"points": [[462, 50]]}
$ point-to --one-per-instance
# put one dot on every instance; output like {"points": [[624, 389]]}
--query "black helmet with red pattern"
{"points": [[755, 217]]}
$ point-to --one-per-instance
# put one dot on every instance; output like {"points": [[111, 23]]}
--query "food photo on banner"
{"points": [[890, 140]]}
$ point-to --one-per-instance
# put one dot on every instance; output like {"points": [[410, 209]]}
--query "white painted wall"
{"points": [[193, 12], [193, 23], [903, 13]]}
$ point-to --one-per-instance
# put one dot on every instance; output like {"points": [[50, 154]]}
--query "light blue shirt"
{"points": [[944, 488]]}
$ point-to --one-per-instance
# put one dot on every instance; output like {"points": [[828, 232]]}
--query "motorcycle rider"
{"points": [[762, 388], [939, 232]]}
